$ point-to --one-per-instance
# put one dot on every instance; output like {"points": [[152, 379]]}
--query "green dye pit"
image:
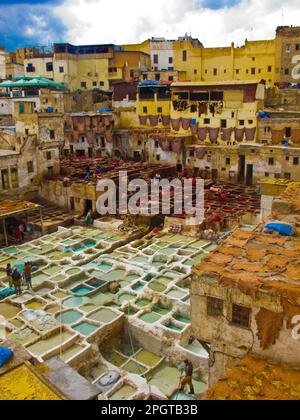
{"points": [[68, 317], [150, 317], [148, 358], [50, 343], [9, 311], [85, 328], [104, 315], [134, 367]]}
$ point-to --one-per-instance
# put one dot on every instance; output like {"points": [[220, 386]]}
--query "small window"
{"points": [[159, 110], [250, 122], [192, 153], [195, 71], [288, 132], [94, 83], [48, 155], [224, 123], [155, 59], [157, 144], [287, 158], [241, 316], [253, 70], [101, 83], [253, 58], [206, 121], [237, 71], [170, 60], [49, 66], [286, 72], [296, 161], [215, 72], [288, 48], [297, 47], [50, 171], [228, 161], [145, 109], [269, 69], [157, 157], [214, 306], [52, 134], [242, 123], [184, 55], [271, 161], [61, 69], [30, 168], [83, 85], [267, 174]]}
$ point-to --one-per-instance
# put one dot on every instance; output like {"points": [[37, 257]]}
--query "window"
{"points": [[215, 72], [195, 71], [288, 48], [155, 59], [253, 70], [225, 71], [159, 110], [242, 122], [250, 122], [286, 72], [170, 60], [241, 316], [171, 78], [14, 177], [157, 144], [206, 120], [271, 161], [217, 96], [52, 134], [288, 132], [50, 170], [30, 168], [83, 85], [61, 69], [267, 174], [253, 58], [297, 47], [49, 66], [214, 306], [287, 158], [157, 157], [237, 71], [296, 161], [48, 155], [101, 83], [94, 83], [103, 143], [269, 69], [26, 132], [184, 55], [30, 68], [228, 161], [224, 123], [145, 110], [192, 153]]}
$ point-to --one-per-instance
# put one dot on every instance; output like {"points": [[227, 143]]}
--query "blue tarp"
{"points": [[283, 229], [5, 355]]}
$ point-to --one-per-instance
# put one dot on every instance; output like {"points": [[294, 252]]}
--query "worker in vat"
{"points": [[187, 378], [28, 275], [17, 281], [89, 219], [9, 275]]}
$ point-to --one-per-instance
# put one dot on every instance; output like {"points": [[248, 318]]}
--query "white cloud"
{"points": [[117, 21]]}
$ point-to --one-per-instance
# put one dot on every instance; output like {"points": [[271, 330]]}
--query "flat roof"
{"points": [[258, 379], [220, 83], [4, 153], [14, 207]]}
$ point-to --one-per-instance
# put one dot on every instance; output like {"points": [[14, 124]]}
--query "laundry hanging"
{"points": [[226, 134], [75, 136], [200, 153], [250, 133], [239, 134], [143, 119], [166, 120], [90, 137], [153, 120], [109, 136], [202, 132], [164, 145], [176, 123], [194, 128], [177, 145], [213, 135], [185, 123], [277, 136], [296, 135]]}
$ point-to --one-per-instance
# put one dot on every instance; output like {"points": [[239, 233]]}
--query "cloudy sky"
{"points": [[214, 22]]}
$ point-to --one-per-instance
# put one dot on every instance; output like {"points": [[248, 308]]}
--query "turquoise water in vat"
{"points": [[68, 317], [84, 328], [82, 290]]}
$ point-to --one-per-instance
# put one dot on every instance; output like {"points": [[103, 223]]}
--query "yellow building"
{"points": [[86, 67]]}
